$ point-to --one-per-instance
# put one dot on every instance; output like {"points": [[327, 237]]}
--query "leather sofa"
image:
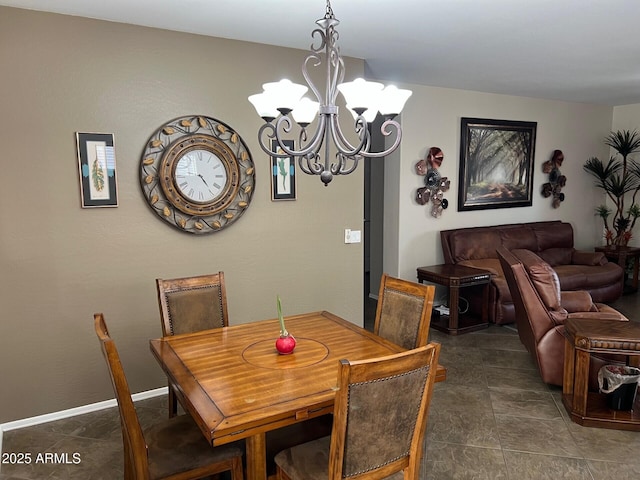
{"points": [[541, 310], [552, 241]]}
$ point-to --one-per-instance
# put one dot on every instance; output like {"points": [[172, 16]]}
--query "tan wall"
{"points": [[60, 263]]}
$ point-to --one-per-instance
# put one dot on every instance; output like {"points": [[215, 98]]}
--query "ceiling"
{"points": [[573, 50]]}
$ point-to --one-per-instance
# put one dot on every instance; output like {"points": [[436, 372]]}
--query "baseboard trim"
{"points": [[71, 412]]}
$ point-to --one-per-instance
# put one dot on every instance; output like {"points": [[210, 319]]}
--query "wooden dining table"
{"points": [[235, 385]]}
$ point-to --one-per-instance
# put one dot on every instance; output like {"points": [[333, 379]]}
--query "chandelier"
{"points": [[282, 100]]}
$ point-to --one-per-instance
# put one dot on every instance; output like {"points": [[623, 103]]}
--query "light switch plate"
{"points": [[352, 236]]}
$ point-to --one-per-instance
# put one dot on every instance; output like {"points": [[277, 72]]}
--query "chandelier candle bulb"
{"points": [[364, 99]]}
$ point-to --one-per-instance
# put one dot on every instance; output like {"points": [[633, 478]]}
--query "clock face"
{"points": [[200, 176], [197, 174]]}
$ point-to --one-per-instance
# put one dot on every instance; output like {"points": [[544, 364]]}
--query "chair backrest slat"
{"points": [[403, 315], [135, 447], [380, 414], [191, 304]]}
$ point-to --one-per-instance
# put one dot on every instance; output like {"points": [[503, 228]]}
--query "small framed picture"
{"points": [[283, 174], [97, 169]]}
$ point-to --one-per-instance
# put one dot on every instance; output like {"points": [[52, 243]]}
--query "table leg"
{"points": [[256, 457], [581, 384], [454, 298], [569, 368], [485, 303]]}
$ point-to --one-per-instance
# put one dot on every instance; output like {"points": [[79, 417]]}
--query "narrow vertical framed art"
{"points": [[283, 174], [97, 170]]}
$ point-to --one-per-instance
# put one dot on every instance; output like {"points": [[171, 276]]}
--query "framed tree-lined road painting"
{"points": [[496, 164]]}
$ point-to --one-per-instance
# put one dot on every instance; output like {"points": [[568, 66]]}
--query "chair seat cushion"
{"points": [[177, 445], [310, 461]]}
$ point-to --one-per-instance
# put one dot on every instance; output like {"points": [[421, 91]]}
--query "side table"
{"points": [[621, 255], [582, 338], [456, 277]]}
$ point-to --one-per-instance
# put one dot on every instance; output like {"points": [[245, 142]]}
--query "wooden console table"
{"points": [[456, 277], [582, 338], [621, 255]]}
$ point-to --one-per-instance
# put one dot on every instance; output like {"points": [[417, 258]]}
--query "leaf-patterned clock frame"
{"points": [[158, 180]]}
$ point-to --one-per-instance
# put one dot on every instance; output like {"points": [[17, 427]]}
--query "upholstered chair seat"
{"points": [[310, 461]]}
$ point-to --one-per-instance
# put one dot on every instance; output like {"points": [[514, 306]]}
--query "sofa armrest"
{"points": [[598, 316], [582, 257]]}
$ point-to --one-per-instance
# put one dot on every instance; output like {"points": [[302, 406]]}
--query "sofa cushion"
{"points": [[580, 257], [520, 237], [586, 277], [572, 277], [473, 246], [556, 256], [554, 235]]}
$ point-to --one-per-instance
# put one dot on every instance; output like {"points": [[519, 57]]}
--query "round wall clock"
{"points": [[197, 174]]}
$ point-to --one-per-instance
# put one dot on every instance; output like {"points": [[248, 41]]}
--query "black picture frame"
{"points": [[283, 174], [97, 170], [496, 163]]}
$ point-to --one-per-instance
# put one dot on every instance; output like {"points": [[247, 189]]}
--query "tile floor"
{"points": [[492, 419]]}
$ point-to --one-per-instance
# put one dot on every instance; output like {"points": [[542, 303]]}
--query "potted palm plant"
{"points": [[620, 180]]}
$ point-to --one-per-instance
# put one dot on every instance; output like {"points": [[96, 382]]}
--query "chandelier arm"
{"points": [[307, 77], [338, 74], [321, 37], [266, 145], [312, 147], [340, 141], [310, 169], [386, 133], [339, 168]]}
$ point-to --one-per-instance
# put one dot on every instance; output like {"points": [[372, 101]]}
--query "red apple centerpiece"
{"points": [[286, 343]]}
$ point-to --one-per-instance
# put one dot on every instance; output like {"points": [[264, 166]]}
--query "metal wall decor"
{"points": [[553, 188], [197, 174], [435, 184]]}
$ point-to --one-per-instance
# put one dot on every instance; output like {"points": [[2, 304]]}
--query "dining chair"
{"points": [[188, 305], [171, 449], [379, 421], [403, 314]]}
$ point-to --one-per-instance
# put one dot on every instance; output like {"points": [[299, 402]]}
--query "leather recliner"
{"points": [[541, 309]]}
